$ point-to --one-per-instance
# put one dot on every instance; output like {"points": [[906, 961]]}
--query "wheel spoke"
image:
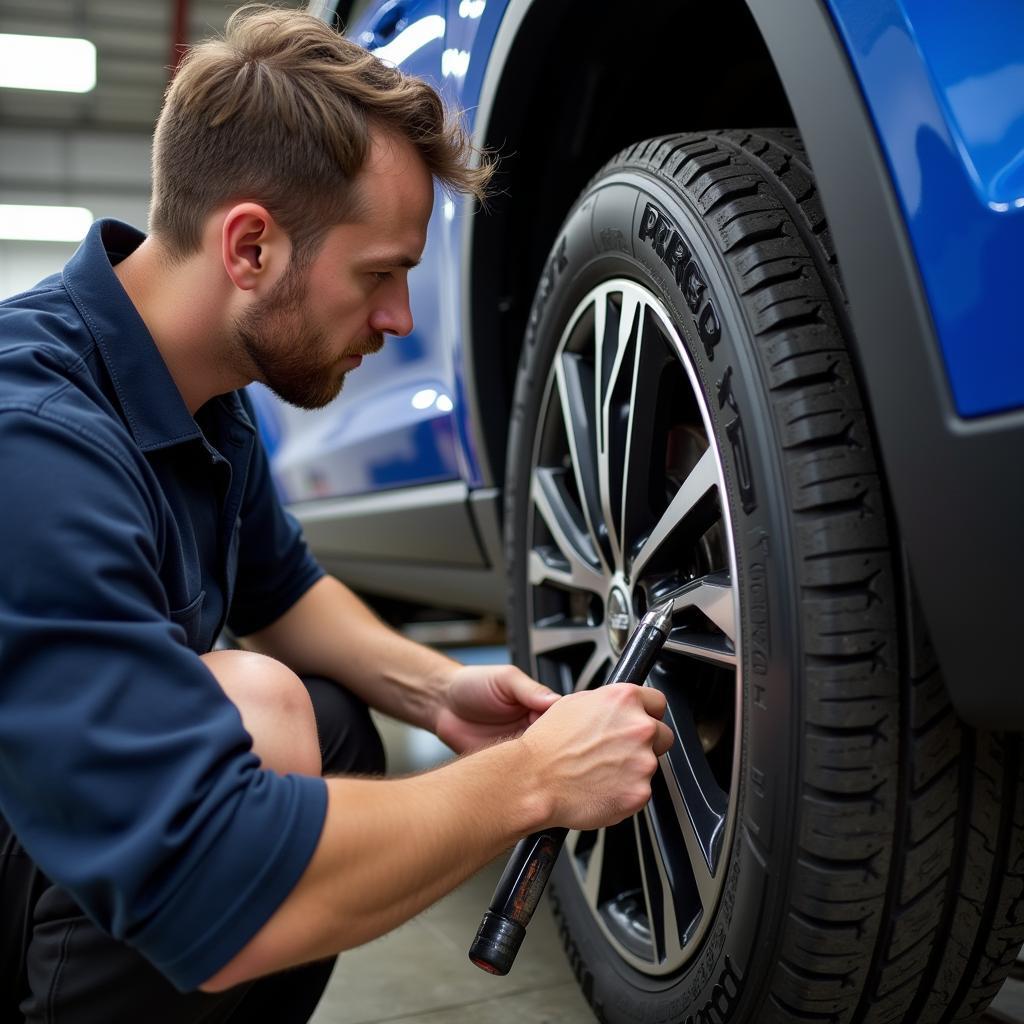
{"points": [[711, 649], [657, 882], [576, 394], [648, 361], [593, 673], [545, 639], [614, 383], [702, 478], [704, 881], [650, 884], [595, 865], [542, 570], [712, 595], [572, 541], [700, 805]]}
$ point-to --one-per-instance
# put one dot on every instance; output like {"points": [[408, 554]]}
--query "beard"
{"points": [[292, 357]]}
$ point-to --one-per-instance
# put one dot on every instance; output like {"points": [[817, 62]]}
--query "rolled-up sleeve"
{"points": [[275, 567], [124, 770]]}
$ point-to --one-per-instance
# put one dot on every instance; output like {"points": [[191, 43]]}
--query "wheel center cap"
{"points": [[618, 619]]}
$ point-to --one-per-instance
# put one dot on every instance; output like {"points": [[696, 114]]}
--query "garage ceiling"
{"points": [[91, 150], [133, 39]]}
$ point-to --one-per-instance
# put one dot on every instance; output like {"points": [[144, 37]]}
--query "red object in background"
{"points": [[179, 35]]}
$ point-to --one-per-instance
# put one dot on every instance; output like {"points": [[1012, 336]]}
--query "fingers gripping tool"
{"points": [[519, 889]]}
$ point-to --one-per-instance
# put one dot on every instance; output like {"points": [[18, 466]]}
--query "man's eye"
{"points": [[382, 275]]}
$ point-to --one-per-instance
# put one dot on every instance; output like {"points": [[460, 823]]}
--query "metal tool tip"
{"points": [[663, 617]]}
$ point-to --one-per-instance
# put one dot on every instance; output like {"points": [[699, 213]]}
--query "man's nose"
{"points": [[395, 317]]}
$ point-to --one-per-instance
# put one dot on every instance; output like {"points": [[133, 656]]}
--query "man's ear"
{"points": [[254, 248]]}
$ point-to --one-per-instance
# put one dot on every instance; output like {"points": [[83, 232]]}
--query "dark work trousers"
{"points": [[57, 967]]}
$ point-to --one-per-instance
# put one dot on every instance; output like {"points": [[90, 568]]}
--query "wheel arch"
{"points": [[555, 120]]}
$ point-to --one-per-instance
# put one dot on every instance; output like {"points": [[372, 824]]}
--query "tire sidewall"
{"points": [[612, 232]]}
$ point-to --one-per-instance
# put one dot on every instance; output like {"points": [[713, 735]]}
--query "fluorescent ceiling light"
{"points": [[44, 223], [47, 62]]}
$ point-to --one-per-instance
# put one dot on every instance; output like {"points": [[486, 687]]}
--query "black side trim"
{"points": [[957, 486]]}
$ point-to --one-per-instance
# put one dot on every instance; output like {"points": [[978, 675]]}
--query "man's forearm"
{"points": [[330, 632], [389, 849]]}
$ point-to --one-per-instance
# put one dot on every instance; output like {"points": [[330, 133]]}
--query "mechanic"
{"points": [[168, 835]]}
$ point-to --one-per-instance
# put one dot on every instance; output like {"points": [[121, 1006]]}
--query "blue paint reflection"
{"points": [[432, 456], [414, 38]]}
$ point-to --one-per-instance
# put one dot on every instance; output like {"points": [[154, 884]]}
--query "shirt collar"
{"points": [[153, 407]]}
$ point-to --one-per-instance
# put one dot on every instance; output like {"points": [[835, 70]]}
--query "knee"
{"points": [[349, 741], [276, 709]]}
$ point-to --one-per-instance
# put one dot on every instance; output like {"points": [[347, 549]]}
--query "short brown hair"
{"points": [[280, 112]]}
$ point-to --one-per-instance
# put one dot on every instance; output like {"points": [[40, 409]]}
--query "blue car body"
{"points": [[945, 89], [913, 116]]}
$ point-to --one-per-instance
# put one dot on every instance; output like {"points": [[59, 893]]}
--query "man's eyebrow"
{"points": [[392, 259]]}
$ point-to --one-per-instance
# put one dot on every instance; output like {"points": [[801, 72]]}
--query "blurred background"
{"points": [[79, 138]]}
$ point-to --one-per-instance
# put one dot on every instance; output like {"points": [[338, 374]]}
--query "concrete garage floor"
{"points": [[420, 973]]}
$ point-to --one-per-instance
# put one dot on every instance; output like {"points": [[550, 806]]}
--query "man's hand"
{"points": [[597, 751], [484, 703]]}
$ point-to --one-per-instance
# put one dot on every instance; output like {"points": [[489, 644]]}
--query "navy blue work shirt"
{"points": [[130, 532]]}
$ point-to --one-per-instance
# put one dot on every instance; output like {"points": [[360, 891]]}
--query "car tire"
{"points": [[826, 841]]}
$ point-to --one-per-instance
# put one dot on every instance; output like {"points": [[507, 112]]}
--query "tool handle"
{"points": [[516, 896], [519, 889], [637, 658]]}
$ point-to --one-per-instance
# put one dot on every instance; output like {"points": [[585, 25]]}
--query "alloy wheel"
{"points": [[627, 510]]}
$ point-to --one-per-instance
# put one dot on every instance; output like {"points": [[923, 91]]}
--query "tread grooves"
{"points": [[931, 971], [1008, 806], [897, 861], [829, 1018]]}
